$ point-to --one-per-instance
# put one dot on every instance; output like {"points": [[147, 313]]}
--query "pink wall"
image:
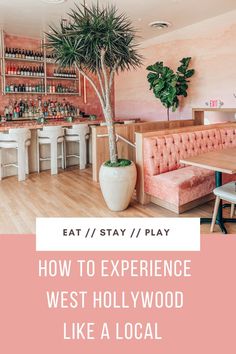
{"points": [[91, 107], [212, 46]]}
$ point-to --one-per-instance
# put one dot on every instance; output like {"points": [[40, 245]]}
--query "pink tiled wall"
{"points": [[212, 46], [91, 107]]}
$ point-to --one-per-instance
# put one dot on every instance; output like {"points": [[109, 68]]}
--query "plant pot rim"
{"points": [[118, 167]]}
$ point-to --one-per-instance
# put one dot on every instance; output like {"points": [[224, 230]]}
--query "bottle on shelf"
{"points": [[18, 53], [34, 108], [65, 73], [37, 71], [25, 87], [7, 52]]}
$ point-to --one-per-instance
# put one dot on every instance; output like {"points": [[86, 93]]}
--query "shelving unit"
{"points": [[46, 79], [62, 78], [23, 59], [27, 93], [25, 76]]}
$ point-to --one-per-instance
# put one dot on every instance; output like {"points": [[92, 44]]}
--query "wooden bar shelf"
{"points": [[46, 78], [62, 78], [25, 76], [43, 93], [25, 60], [26, 93]]}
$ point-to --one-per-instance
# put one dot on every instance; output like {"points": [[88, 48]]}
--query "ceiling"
{"points": [[32, 17]]}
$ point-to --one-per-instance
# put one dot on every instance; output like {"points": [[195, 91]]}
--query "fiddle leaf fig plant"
{"points": [[100, 42], [167, 85]]}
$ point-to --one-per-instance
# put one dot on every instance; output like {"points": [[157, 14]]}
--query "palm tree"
{"points": [[100, 42]]}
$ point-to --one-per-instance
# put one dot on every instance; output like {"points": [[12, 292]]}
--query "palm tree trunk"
{"points": [[107, 111]]}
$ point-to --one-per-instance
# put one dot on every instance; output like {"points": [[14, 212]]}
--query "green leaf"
{"points": [[157, 67], [189, 73], [181, 69], [159, 86]]}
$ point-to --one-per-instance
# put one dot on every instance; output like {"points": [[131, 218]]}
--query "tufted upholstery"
{"points": [[228, 137], [167, 179], [163, 153]]}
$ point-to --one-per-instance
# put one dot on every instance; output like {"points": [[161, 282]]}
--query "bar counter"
{"points": [[34, 124]]}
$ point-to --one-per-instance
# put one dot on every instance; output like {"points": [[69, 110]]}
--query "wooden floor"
{"points": [[71, 193]]}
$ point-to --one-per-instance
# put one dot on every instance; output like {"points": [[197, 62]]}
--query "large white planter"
{"points": [[117, 185]]}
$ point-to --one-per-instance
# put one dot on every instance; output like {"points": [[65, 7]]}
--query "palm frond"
{"points": [[92, 29]]}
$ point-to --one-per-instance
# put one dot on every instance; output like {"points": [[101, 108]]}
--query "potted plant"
{"points": [[101, 42], [167, 86]]}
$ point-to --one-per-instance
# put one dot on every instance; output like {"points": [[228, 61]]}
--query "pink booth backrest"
{"points": [[163, 153], [228, 137]]}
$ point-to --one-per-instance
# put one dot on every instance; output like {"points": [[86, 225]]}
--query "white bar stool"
{"points": [[52, 136], [226, 192], [16, 139], [78, 133]]}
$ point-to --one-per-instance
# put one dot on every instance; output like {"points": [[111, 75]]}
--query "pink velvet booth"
{"points": [[167, 179]]}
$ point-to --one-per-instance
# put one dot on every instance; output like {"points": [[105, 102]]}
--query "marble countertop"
{"points": [[33, 124]]}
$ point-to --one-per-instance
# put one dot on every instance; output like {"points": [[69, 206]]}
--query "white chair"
{"points": [[226, 192], [78, 133], [18, 139], [51, 135]]}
